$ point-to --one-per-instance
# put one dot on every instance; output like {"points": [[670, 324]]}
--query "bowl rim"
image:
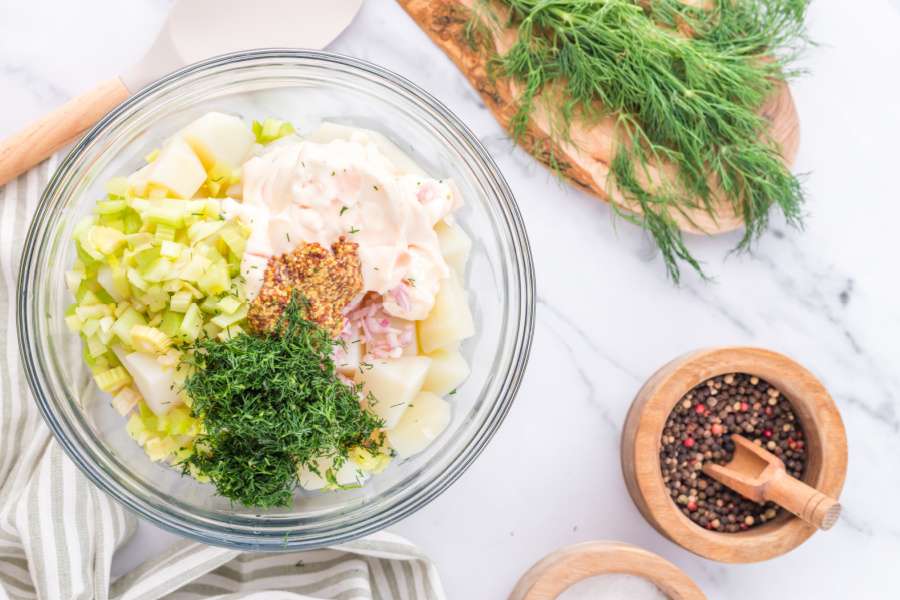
{"points": [[218, 533], [643, 427]]}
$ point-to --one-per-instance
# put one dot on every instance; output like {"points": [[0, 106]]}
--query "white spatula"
{"points": [[195, 30]]}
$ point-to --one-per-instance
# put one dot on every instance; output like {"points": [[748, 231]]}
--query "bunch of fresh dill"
{"points": [[685, 83], [269, 404]]}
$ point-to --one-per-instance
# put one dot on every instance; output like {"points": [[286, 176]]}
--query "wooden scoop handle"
{"points": [[806, 502], [48, 134]]}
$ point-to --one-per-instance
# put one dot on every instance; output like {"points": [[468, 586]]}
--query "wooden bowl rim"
{"points": [[642, 437], [559, 570]]}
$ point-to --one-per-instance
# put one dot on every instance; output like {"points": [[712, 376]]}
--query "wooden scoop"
{"points": [[759, 475]]}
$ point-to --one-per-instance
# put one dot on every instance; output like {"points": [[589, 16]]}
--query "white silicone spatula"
{"points": [[195, 30]]}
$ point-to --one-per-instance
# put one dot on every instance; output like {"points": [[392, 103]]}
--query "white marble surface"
{"points": [[827, 296]]}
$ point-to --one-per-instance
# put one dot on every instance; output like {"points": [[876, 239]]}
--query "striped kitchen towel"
{"points": [[58, 534]]}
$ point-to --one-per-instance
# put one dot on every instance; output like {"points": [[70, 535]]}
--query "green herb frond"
{"points": [[269, 405], [687, 83]]}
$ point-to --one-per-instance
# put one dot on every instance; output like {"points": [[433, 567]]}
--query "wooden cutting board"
{"points": [[586, 158]]}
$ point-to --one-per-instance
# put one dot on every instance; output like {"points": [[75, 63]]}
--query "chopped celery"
{"points": [[224, 320], [152, 156], [192, 323], [74, 323], [135, 279], [271, 129], [136, 429], [159, 448], [125, 400], [110, 207], [105, 240], [113, 379], [235, 241], [171, 249], [165, 233], [124, 324], [89, 327], [149, 339], [180, 302], [230, 332], [171, 322], [229, 304], [203, 229], [172, 216], [92, 311], [216, 279], [159, 270]]}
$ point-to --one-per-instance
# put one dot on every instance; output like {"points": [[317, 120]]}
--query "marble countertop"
{"points": [[826, 296]]}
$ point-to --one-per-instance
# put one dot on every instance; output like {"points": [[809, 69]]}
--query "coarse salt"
{"points": [[613, 587]]}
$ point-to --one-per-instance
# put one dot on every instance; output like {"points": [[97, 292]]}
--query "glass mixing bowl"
{"points": [[305, 88]]}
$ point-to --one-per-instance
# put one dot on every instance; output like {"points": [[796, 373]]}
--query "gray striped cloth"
{"points": [[58, 534]]}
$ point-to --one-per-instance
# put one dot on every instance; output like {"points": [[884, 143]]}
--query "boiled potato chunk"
{"points": [[448, 369], [421, 424], [455, 245], [177, 169], [394, 383], [349, 474], [155, 382], [450, 320], [220, 139]]}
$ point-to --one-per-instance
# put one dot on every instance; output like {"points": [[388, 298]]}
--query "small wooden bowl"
{"points": [[558, 571], [826, 444]]}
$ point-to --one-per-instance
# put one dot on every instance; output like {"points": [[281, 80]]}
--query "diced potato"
{"points": [[455, 245], [350, 474], [448, 369], [177, 169], [450, 321], [219, 139], [424, 420], [155, 382], [394, 383]]}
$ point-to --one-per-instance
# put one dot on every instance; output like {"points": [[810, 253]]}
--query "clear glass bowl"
{"points": [[306, 88]]}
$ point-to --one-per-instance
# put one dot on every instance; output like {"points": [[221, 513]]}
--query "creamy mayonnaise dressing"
{"points": [[303, 191]]}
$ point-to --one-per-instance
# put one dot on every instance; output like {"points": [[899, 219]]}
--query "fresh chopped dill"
{"points": [[354, 230], [344, 209], [269, 405], [685, 84]]}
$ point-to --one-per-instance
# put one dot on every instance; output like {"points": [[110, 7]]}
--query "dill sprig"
{"points": [[685, 84], [269, 404]]}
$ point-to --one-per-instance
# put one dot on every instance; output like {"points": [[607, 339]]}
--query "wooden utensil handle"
{"points": [[46, 135], [806, 502]]}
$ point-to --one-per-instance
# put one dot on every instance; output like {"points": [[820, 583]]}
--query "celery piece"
{"points": [[173, 216], [73, 323], [271, 130], [110, 207], [211, 330], [135, 279], [92, 311], [136, 429], [157, 271], [95, 347], [233, 239], [113, 222], [152, 156], [113, 379], [73, 280], [125, 400], [203, 229], [230, 332], [180, 421], [89, 327], [171, 322], [224, 320], [210, 305], [123, 325], [158, 448], [149, 339], [105, 240], [192, 323], [86, 293], [133, 222], [180, 301], [195, 268], [165, 233], [229, 304], [145, 256], [216, 279], [171, 249]]}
